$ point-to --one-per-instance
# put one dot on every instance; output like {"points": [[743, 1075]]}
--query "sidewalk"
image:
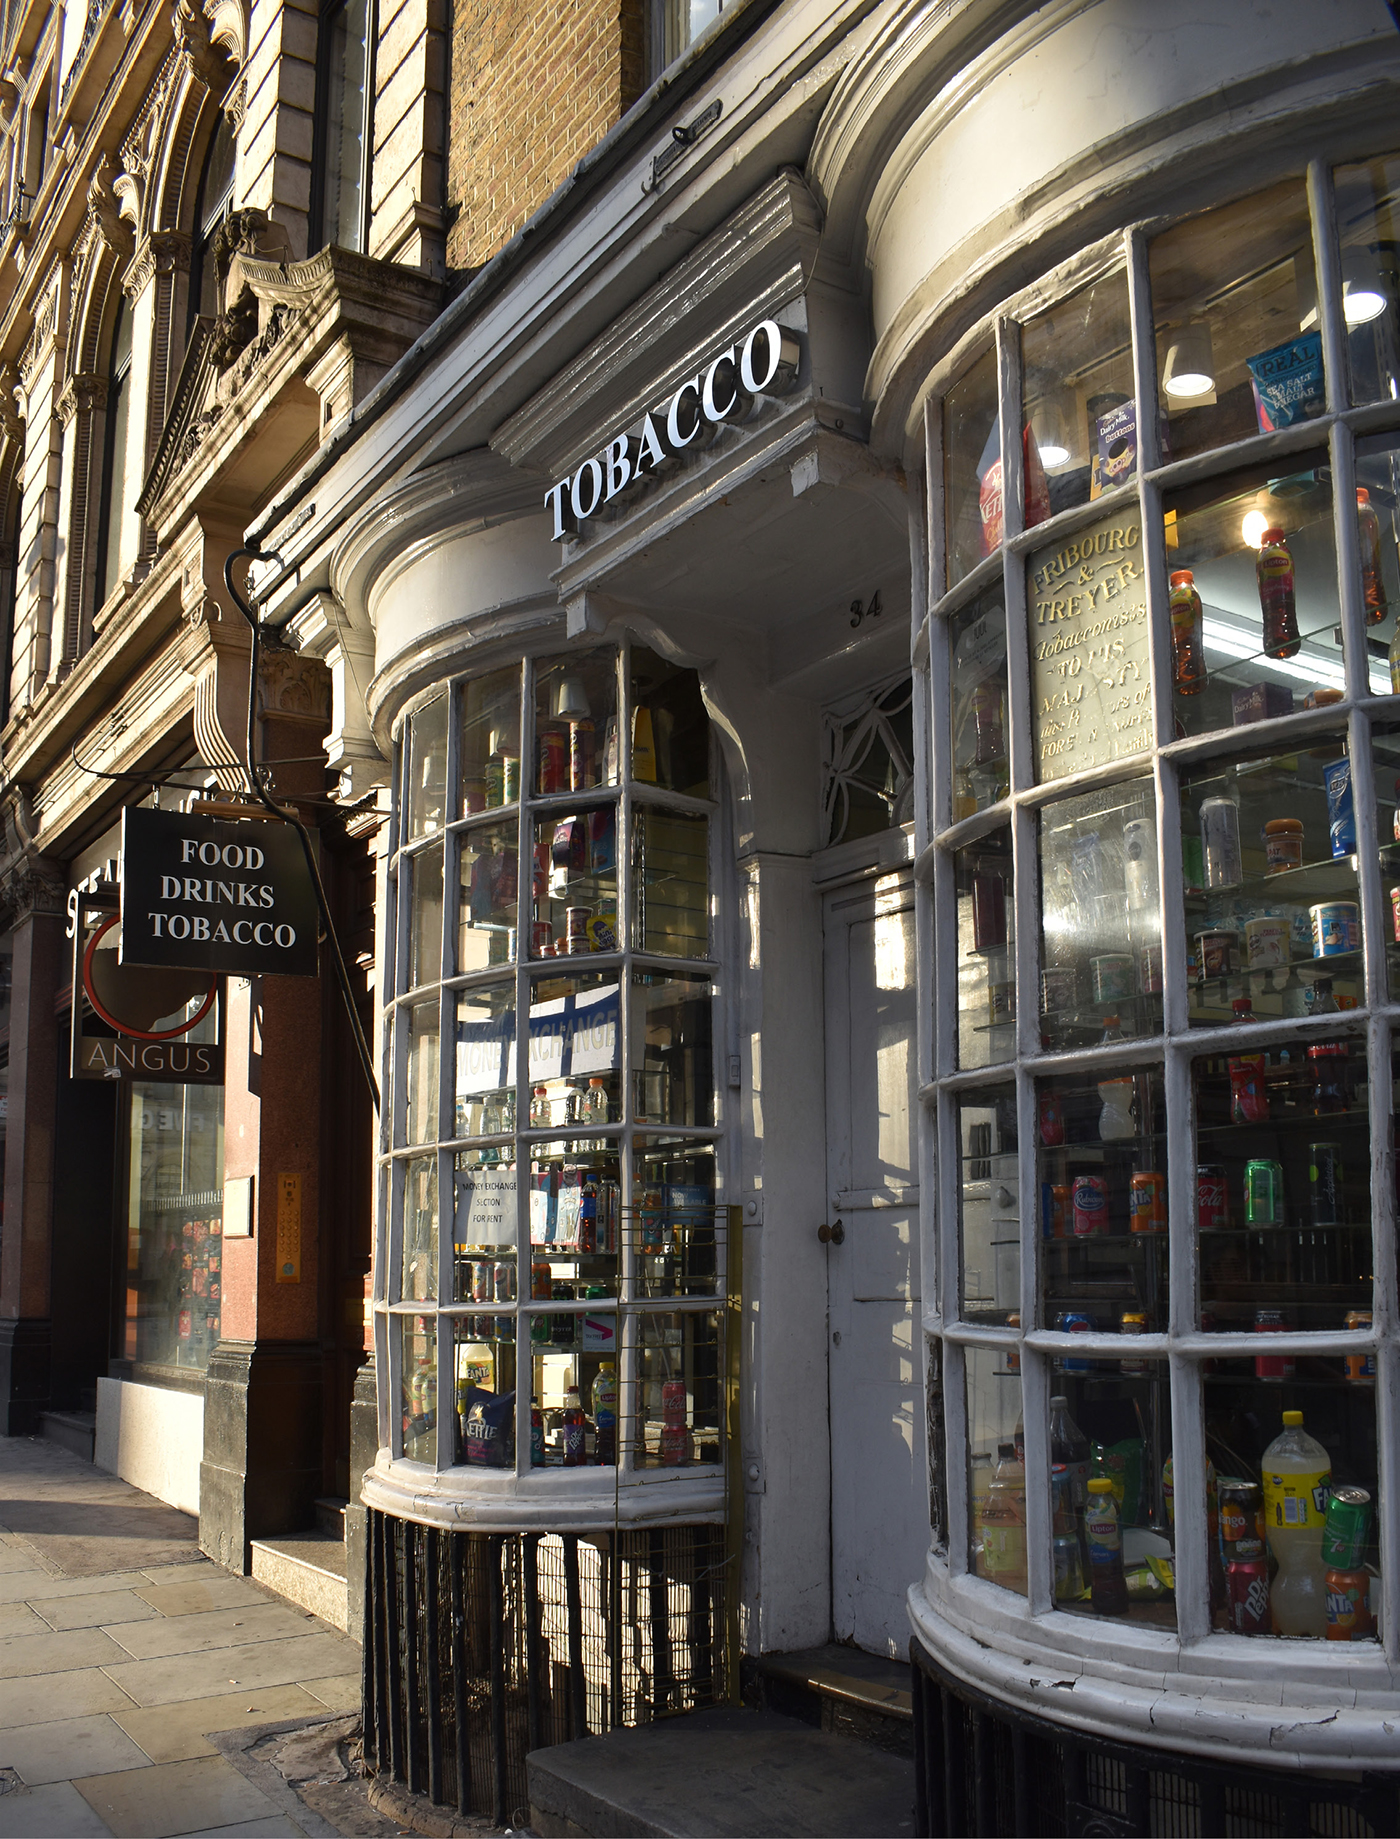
{"points": [[122, 1650]]}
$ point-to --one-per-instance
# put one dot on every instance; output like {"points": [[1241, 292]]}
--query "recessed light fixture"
{"points": [[1253, 528], [1190, 366]]}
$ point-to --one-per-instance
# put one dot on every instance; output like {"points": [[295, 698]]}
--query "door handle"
{"points": [[832, 1235]]}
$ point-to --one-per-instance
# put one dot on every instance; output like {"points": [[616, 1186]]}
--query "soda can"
{"points": [[1241, 1503], [1346, 1529], [1147, 1201], [1220, 843], [1359, 1367], [503, 1282], [1273, 1367], [554, 761], [1090, 1206], [1212, 1197], [1069, 1569], [1263, 1192], [505, 1327], [1132, 1323], [1247, 1595], [1074, 1322], [1325, 1184], [1112, 976], [1055, 1206], [1348, 1607], [673, 1402], [481, 1280]]}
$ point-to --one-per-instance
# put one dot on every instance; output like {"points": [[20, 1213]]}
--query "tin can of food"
{"points": [[554, 761], [1266, 943], [1089, 1206], [1074, 1322], [1215, 953], [1112, 976], [1241, 1505], [1059, 988], [1273, 1367], [1150, 971], [1263, 1192], [1326, 1184], [1147, 1201], [1283, 845], [576, 927], [1247, 1595], [1336, 928], [1360, 1368], [1212, 1197], [1346, 1528], [1132, 1322], [541, 939]]}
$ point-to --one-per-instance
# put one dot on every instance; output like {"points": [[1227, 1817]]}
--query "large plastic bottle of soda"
{"points": [[574, 1429], [1004, 1523], [1297, 1473], [605, 1414], [1069, 1445]]}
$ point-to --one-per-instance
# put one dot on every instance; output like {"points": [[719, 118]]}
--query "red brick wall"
{"points": [[533, 87]]}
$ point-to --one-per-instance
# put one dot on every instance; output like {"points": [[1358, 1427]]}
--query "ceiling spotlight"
{"points": [[1051, 440], [572, 704], [1365, 295], [1253, 528], [1190, 366]]}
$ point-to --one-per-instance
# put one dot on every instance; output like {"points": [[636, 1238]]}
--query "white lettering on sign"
{"points": [[765, 364]]}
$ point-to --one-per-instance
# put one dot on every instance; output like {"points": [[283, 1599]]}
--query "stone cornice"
{"points": [[164, 252], [81, 392]]}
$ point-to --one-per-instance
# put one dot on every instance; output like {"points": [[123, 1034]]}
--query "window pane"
{"points": [[484, 1228], [489, 868], [118, 421], [670, 729], [421, 1106], [575, 1051], [420, 1219], [1101, 922], [574, 1395], [672, 1056], [996, 1474], [427, 768], [986, 951], [671, 884], [1385, 755], [483, 1365], [981, 755], [576, 722], [990, 1214], [1080, 418], [174, 1276], [1234, 299], [485, 1100], [1318, 1573], [575, 883], [935, 1441], [674, 1226], [1368, 223], [972, 468], [1253, 569], [418, 1387], [679, 1390], [1101, 1162], [575, 1208], [1284, 1185], [1111, 1421], [1378, 520], [345, 120], [1272, 918], [425, 917], [490, 741]]}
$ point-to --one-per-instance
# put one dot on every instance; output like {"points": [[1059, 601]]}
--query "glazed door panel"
{"points": [[879, 1500]]}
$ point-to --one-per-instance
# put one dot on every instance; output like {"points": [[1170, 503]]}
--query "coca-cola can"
{"points": [[673, 1402], [1247, 1595], [1212, 1197]]}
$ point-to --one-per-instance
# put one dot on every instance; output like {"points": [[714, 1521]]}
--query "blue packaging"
{"points": [[1341, 813], [488, 1430], [1288, 382]]}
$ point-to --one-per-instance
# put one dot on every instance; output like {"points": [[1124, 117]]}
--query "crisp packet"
{"points": [[1288, 382], [488, 1430], [1115, 460]]}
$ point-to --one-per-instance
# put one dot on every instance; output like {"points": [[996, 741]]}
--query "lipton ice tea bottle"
{"points": [[1372, 581], [1275, 571], [1188, 650]]}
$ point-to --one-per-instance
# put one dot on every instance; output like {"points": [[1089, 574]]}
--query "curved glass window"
{"points": [[552, 1294], [115, 493], [1165, 860], [212, 206]]}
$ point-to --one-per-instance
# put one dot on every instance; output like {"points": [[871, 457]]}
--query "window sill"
{"points": [[548, 1500]]}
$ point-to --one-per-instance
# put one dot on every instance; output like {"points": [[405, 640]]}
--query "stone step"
{"points": [[330, 1516], [75, 1430], [309, 1570], [842, 1690], [721, 1774]]}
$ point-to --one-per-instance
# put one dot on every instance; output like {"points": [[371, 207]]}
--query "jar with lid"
{"points": [[1283, 845]]}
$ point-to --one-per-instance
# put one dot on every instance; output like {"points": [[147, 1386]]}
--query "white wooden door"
{"points": [[879, 1494]]}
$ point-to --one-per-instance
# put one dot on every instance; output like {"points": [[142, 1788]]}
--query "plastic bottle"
{"points": [[1107, 1585], [574, 1429], [1372, 580], [1395, 819], [1395, 662], [1116, 1120], [605, 1415], [1188, 648], [1328, 1063], [1297, 1471], [1275, 572], [539, 1108], [536, 1435], [1249, 1101], [1004, 1523], [1070, 1447], [596, 1102]]}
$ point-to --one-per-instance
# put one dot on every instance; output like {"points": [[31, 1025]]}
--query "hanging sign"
{"points": [[212, 894]]}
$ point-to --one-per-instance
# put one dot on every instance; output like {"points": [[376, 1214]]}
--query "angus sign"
{"points": [[208, 894]]}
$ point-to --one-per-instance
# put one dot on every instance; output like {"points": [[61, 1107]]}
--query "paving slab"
{"points": [[102, 1609], [173, 1797], [208, 1589], [215, 1628], [272, 1663], [54, 1812], [69, 1746], [183, 1567], [341, 1692], [16, 1555], [23, 1655], [59, 1695], [278, 1827], [37, 1586], [20, 1619], [175, 1733], [722, 1775]]}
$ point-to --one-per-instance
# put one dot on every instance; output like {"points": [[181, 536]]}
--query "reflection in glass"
{"points": [[1101, 1165], [672, 1056], [575, 1052], [672, 1226], [426, 768], [490, 875], [418, 1387], [678, 1390], [174, 1221], [485, 1075], [986, 951], [996, 1472], [1234, 300], [574, 890], [576, 722], [1385, 767], [490, 741], [421, 1094], [972, 468], [989, 1213], [483, 1370], [671, 883], [1273, 927], [670, 729], [868, 762], [1081, 421], [981, 753], [425, 925], [1258, 553], [1368, 224], [1101, 921], [420, 1257]]}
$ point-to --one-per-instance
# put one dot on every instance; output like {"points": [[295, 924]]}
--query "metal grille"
{"points": [[480, 1647], [982, 1768]]}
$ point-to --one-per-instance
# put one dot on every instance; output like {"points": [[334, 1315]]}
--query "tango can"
{"points": [[1241, 1510], [1147, 1201], [1358, 1368]]}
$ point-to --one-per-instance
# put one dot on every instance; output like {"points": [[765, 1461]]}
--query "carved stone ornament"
{"points": [[234, 331], [46, 314], [164, 252], [106, 208], [29, 882], [291, 684], [83, 392], [207, 63], [138, 150]]}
